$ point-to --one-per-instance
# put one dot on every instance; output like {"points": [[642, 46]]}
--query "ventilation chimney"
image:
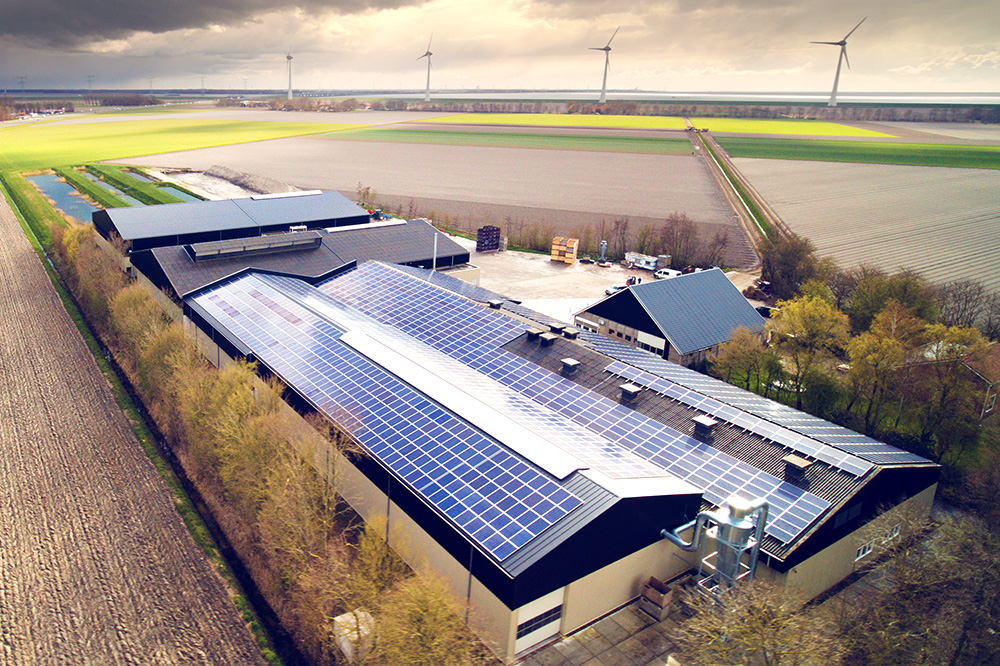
{"points": [[795, 467], [570, 333], [704, 426], [495, 303], [533, 333], [629, 391], [547, 339], [569, 365], [557, 328]]}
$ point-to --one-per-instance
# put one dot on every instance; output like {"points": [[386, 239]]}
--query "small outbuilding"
{"points": [[683, 319]]}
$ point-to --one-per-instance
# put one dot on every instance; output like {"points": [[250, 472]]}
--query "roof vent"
{"points": [[703, 427], [495, 303], [298, 227], [630, 391], [547, 339], [570, 333], [569, 365], [795, 467], [533, 333], [557, 328]]}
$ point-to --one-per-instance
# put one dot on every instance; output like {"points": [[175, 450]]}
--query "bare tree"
{"points": [[678, 237], [962, 302], [758, 624]]}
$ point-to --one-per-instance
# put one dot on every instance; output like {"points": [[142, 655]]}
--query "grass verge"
{"points": [[84, 185], [817, 128], [864, 152], [748, 201]]}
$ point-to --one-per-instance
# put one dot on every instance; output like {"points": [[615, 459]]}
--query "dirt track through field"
{"points": [[96, 566]]}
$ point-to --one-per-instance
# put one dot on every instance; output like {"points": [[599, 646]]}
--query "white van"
{"points": [[664, 273]]}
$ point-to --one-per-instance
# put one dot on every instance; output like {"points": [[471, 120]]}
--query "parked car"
{"points": [[665, 273], [615, 288]]}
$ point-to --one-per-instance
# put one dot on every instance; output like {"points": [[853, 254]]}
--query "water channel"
{"points": [[66, 198]]}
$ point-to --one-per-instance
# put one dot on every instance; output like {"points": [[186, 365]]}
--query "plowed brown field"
{"points": [[96, 566]]}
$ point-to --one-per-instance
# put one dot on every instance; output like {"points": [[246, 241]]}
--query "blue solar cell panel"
{"points": [[636, 446], [487, 491]]}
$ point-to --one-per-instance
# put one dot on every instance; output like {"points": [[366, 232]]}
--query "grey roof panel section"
{"points": [[697, 310], [397, 244], [410, 242], [299, 208], [178, 219], [231, 214]]}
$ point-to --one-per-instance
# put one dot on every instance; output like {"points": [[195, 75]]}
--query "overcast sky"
{"points": [[663, 45]]}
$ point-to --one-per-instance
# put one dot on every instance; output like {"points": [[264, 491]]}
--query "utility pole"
{"points": [[151, 85], [90, 82], [21, 80]]}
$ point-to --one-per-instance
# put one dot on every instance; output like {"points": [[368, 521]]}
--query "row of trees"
{"points": [[269, 480], [888, 355], [790, 264]]}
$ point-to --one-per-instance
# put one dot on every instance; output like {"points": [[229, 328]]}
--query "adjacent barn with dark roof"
{"points": [[683, 319]]}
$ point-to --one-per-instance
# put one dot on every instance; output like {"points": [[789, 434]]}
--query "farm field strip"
{"points": [[901, 154], [941, 222], [44, 145], [608, 184], [597, 143], [814, 128], [562, 120], [96, 565]]}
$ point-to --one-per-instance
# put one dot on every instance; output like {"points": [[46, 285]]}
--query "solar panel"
{"points": [[499, 500], [783, 436], [811, 426], [630, 445]]}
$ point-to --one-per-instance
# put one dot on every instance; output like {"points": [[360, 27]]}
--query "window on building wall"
{"points": [[864, 551], [618, 333], [628, 338], [891, 534], [539, 621]]}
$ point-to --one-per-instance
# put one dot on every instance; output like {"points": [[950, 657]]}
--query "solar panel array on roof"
{"points": [[634, 446], [836, 436], [795, 441], [499, 500]]}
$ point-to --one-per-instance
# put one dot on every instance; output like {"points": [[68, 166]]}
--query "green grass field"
{"points": [[785, 127], [906, 154], [44, 145], [606, 144], [561, 120]]}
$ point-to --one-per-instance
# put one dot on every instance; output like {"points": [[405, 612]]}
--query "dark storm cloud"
{"points": [[67, 23]]}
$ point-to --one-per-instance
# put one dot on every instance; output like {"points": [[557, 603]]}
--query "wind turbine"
{"points": [[427, 54], [288, 60], [841, 59], [607, 63]]}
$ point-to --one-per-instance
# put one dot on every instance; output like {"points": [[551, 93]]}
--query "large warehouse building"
{"points": [[535, 466]]}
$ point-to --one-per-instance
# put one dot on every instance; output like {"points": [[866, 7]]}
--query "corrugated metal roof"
{"points": [[696, 310], [231, 214], [410, 242]]}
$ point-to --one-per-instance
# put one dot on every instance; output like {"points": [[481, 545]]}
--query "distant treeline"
{"points": [[11, 108], [916, 113], [134, 99]]}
